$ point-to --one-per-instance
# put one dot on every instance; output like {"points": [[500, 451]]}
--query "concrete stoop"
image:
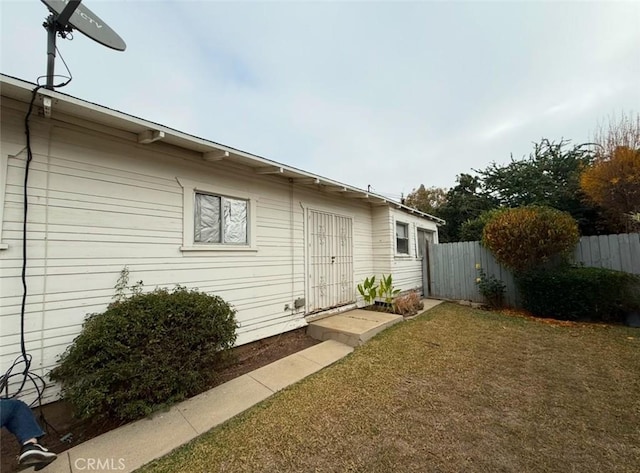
{"points": [[352, 328]]}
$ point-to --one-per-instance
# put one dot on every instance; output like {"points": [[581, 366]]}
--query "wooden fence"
{"points": [[452, 269]]}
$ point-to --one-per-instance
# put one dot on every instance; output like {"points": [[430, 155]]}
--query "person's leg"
{"points": [[19, 420]]}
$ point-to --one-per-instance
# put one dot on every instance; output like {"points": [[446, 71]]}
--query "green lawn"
{"points": [[453, 390]]}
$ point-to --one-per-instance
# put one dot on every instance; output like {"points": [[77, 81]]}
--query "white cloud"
{"points": [[387, 94]]}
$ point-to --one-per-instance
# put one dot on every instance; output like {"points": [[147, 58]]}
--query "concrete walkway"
{"points": [[133, 445]]}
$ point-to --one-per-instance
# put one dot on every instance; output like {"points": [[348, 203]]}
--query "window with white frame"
{"points": [[217, 218], [220, 219], [402, 238]]}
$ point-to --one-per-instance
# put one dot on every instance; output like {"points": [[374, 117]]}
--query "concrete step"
{"points": [[352, 328]]}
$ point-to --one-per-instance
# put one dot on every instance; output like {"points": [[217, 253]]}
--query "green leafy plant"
{"points": [[146, 352], [491, 288], [368, 290], [386, 291], [579, 293], [526, 237]]}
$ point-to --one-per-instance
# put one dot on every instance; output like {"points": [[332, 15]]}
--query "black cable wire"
{"points": [[69, 77], [27, 132], [37, 381], [24, 357]]}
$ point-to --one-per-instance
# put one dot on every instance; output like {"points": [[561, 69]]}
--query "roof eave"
{"points": [[149, 132]]}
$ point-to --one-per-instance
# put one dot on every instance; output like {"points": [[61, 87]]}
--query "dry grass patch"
{"points": [[453, 390]]}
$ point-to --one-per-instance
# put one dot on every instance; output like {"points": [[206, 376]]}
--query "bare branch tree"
{"points": [[623, 131]]}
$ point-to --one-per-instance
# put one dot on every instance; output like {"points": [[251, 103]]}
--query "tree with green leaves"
{"points": [[465, 201], [550, 176], [471, 230]]}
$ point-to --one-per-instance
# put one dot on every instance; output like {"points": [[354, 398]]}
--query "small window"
{"points": [[217, 218], [220, 219], [402, 238]]}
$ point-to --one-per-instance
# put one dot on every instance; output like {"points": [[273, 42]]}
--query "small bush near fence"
{"points": [[491, 288], [579, 293], [145, 353]]}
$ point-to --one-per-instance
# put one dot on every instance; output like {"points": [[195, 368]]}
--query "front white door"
{"points": [[330, 260]]}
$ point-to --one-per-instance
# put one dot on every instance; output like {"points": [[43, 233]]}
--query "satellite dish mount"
{"points": [[67, 15]]}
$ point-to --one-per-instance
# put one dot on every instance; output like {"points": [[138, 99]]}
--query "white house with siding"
{"points": [[109, 190]]}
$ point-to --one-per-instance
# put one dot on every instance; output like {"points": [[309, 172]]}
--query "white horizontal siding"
{"points": [[383, 240], [100, 202]]}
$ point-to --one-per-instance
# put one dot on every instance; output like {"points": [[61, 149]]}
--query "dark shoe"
{"points": [[35, 454]]}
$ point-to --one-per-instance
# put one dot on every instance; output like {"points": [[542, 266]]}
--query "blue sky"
{"points": [[388, 94]]}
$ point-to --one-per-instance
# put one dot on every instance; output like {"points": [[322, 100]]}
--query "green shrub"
{"points": [[491, 288], [579, 293], [526, 237], [471, 230], [145, 353]]}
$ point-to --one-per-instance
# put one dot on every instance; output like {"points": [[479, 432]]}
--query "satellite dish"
{"points": [[88, 23], [67, 15]]}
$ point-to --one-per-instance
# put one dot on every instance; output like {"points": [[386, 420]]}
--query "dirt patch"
{"points": [[64, 431]]}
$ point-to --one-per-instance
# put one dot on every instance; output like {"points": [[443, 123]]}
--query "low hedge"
{"points": [[579, 293], [145, 353]]}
